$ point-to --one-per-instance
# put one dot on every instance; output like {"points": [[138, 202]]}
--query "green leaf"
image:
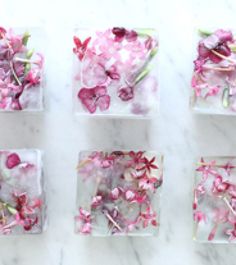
{"points": [[225, 98], [142, 75], [25, 38], [204, 33]]}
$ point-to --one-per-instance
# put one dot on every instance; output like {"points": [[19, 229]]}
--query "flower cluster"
{"points": [[214, 74], [118, 193], [20, 72], [115, 69], [214, 202], [20, 205]]}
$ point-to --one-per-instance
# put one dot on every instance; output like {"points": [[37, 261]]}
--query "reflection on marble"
{"points": [[176, 132]]}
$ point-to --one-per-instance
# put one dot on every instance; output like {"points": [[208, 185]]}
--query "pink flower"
{"points": [[26, 215], [131, 35], [112, 73], [84, 219], [217, 42], [138, 108], [33, 77], [12, 161], [80, 47], [228, 167], [101, 160], [199, 216], [135, 196], [231, 233], [220, 216], [198, 65], [137, 157], [126, 93], [130, 195], [147, 183], [121, 33], [94, 97], [148, 217], [40, 61], [2, 32], [96, 201], [15, 43], [207, 168], [224, 35], [115, 193], [149, 164], [86, 229], [213, 91], [219, 185], [198, 191]]}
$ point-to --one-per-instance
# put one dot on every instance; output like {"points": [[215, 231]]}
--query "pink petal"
{"points": [[129, 195], [100, 91], [224, 35], [12, 161], [103, 102], [126, 93]]}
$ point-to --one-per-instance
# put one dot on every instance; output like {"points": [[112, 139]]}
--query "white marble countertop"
{"points": [[176, 132]]}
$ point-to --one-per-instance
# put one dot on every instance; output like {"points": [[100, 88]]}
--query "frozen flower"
{"points": [[219, 185], [148, 217], [101, 160], [137, 157], [84, 221], [228, 167], [130, 195], [96, 201], [126, 93], [94, 97], [220, 216], [217, 42], [121, 33], [12, 161], [148, 183], [112, 73], [135, 196], [80, 47], [199, 216], [18, 71], [2, 32], [231, 233], [115, 193], [33, 77], [149, 164], [26, 211], [207, 168]]}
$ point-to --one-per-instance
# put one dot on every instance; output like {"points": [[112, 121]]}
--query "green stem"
{"points": [[15, 75], [225, 98]]}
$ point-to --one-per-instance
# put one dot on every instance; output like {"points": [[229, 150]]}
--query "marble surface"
{"points": [[176, 132]]}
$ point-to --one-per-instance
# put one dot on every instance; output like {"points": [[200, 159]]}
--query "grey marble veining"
{"points": [[176, 132]]}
